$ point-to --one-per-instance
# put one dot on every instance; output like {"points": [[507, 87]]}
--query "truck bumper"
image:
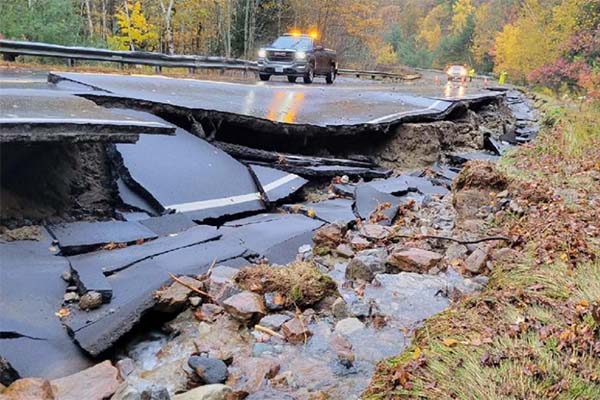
{"points": [[295, 68]]}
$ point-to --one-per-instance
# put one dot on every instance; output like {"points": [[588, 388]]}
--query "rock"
{"points": [[29, 389], [349, 326], [475, 263], [172, 298], [7, 373], [413, 259], [247, 374], [305, 252], [245, 306], [295, 331], [195, 301], [329, 236], [66, 276], [209, 311], [125, 367], [126, 392], [222, 283], [339, 309], [505, 254], [456, 251], [366, 264], [274, 301], [344, 250], [503, 194], [359, 243], [274, 321], [375, 231], [90, 300], [343, 349], [71, 297], [360, 308], [515, 208], [206, 392], [96, 383], [209, 370]]}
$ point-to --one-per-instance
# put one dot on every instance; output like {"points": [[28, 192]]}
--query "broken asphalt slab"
{"points": [[186, 174], [168, 224], [275, 237], [31, 115], [32, 338], [91, 270], [331, 211], [276, 185], [134, 291], [81, 237]]}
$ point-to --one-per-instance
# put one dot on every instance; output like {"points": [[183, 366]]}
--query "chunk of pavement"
{"points": [[344, 189], [248, 374], [348, 326], [245, 306], [222, 283], [405, 184], [7, 373], [277, 185], [206, 392], [31, 291], [90, 300], [29, 389], [209, 370], [98, 330], [132, 199], [276, 237], [366, 264], [90, 269], [460, 159], [169, 224], [413, 259], [335, 211], [369, 200], [173, 297], [295, 331], [80, 237], [495, 146], [274, 321], [476, 261], [329, 235], [197, 164], [96, 383]]}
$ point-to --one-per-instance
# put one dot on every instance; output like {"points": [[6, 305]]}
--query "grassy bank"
{"points": [[534, 333]]}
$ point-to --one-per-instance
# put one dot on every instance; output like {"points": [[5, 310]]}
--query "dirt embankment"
{"points": [[54, 182]]}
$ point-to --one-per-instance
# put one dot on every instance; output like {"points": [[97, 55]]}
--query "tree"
{"points": [[135, 32]]}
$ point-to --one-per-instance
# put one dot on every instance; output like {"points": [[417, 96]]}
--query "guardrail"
{"points": [[12, 48]]}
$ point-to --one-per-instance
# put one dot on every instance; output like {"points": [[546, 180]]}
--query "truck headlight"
{"points": [[262, 53], [300, 55]]}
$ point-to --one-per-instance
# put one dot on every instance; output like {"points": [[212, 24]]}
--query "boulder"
{"points": [[295, 331], [375, 232], [174, 297], [90, 300], [349, 326], [29, 389], [209, 370], [96, 383], [245, 306], [329, 236], [206, 392], [475, 263], [413, 259], [366, 264]]}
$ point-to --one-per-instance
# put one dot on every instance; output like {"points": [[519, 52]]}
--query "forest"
{"points": [[551, 42]]}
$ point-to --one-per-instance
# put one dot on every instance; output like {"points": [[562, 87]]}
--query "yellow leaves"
{"points": [[461, 11], [63, 313], [134, 30], [416, 353]]}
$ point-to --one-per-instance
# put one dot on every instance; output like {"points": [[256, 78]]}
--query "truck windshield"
{"points": [[292, 42]]}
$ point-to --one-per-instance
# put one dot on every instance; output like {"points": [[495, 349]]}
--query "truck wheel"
{"points": [[264, 77], [330, 77], [309, 75], [292, 79]]}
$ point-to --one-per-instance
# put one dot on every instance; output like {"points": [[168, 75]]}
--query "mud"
{"points": [[46, 183]]}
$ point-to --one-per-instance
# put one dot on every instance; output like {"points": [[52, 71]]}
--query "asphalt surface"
{"points": [[348, 102]]}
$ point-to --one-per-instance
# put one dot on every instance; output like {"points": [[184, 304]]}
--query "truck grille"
{"points": [[274, 55]]}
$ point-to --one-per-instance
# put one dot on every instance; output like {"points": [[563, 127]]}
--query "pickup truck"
{"points": [[297, 56]]}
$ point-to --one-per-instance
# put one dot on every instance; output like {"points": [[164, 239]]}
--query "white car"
{"points": [[456, 72]]}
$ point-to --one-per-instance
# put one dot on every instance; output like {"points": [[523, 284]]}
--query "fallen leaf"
{"points": [[63, 313], [450, 342], [416, 353]]}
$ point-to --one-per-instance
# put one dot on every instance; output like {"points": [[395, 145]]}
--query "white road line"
{"points": [[228, 201], [393, 116]]}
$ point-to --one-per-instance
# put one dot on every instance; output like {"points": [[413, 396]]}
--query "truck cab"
{"points": [[297, 56]]}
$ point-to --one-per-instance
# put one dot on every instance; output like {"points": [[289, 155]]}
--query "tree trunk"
{"points": [[88, 11], [168, 13], [131, 45]]}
